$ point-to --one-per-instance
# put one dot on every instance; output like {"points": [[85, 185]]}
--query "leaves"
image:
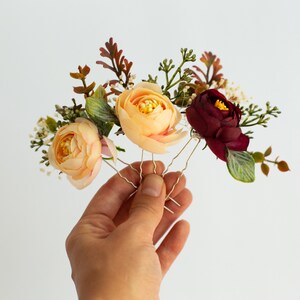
{"points": [[283, 166], [100, 111], [241, 165], [263, 159], [211, 74], [118, 63], [51, 124], [70, 113], [253, 115], [265, 169], [81, 75], [268, 151]]}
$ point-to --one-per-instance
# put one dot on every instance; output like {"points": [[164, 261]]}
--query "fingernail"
{"points": [[152, 185]]}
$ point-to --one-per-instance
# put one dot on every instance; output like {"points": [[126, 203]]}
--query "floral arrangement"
{"points": [[194, 100]]}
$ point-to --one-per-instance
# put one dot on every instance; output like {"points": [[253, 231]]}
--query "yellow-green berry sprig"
{"points": [[70, 113], [261, 158], [180, 74], [44, 134]]}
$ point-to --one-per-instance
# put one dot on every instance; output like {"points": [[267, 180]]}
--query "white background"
{"points": [[245, 238]]}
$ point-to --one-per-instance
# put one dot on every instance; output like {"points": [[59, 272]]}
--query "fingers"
{"points": [[172, 245], [116, 190], [147, 206], [185, 199], [181, 195]]}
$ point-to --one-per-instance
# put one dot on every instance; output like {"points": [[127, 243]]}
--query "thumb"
{"points": [[148, 204]]}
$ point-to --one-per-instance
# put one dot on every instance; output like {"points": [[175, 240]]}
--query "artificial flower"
{"points": [[216, 120], [148, 118], [76, 151]]}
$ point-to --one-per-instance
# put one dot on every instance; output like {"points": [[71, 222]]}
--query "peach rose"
{"points": [[148, 118], [76, 151]]}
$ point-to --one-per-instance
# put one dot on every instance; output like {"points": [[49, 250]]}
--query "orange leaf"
{"points": [[283, 166], [77, 75], [265, 169], [79, 89], [86, 70]]}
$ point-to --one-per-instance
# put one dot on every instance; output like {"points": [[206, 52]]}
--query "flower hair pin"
{"points": [[194, 100]]}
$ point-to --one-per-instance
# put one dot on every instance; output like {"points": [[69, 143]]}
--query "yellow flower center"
{"points": [[65, 146], [148, 106], [221, 105]]}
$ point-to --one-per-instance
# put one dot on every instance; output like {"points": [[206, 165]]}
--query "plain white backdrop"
{"points": [[245, 238]]}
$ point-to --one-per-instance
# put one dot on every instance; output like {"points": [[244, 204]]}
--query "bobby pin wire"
{"points": [[141, 177], [185, 167]]}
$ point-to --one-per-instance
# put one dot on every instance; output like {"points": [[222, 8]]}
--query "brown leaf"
{"points": [[265, 169], [79, 89], [85, 70], [90, 87], [105, 65], [268, 151], [208, 58], [283, 166], [77, 75]]}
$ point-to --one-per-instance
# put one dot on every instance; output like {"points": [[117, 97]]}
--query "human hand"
{"points": [[112, 247]]}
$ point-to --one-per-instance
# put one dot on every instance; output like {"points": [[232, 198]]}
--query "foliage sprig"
{"points": [[253, 115], [118, 64], [261, 158], [85, 89]]}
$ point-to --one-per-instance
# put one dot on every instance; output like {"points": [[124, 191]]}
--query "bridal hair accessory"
{"points": [[194, 102]]}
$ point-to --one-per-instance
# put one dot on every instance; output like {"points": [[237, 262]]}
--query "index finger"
{"points": [[110, 197]]}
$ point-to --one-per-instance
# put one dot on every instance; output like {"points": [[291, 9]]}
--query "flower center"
{"points": [[221, 105], [147, 106], [65, 146]]}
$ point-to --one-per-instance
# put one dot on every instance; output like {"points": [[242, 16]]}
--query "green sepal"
{"points": [[241, 165], [101, 112]]}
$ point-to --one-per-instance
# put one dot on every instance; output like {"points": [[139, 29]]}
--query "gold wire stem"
{"points": [[118, 172], [129, 165], [182, 171], [169, 210], [154, 164], [174, 201], [131, 183], [141, 166], [173, 159]]}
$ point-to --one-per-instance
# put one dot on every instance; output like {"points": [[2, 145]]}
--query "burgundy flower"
{"points": [[217, 121]]}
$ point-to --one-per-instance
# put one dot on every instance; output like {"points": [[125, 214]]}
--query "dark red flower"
{"points": [[217, 121]]}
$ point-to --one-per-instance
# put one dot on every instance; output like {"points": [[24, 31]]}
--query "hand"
{"points": [[111, 249]]}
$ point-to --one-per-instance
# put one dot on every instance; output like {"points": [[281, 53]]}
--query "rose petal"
{"points": [[217, 147], [150, 86], [240, 144], [109, 148], [82, 183], [228, 134]]}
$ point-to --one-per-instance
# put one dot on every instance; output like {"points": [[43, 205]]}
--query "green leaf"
{"points": [[51, 123], [105, 128], [100, 111], [120, 149], [241, 165]]}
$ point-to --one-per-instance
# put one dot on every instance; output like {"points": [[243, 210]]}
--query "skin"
{"points": [[112, 248]]}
